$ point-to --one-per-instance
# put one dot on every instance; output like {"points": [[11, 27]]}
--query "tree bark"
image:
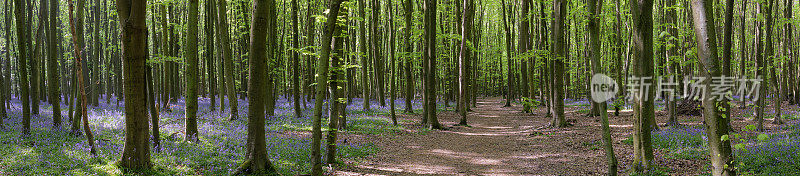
{"points": [[210, 20], [560, 52], [408, 56], [52, 65], [227, 55], [132, 16], [715, 114], [642, 13], [464, 59], [322, 84], [191, 74], [509, 74], [429, 58], [22, 58], [257, 159]]}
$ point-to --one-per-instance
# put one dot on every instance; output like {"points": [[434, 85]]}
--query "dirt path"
{"points": [[504, 141], [499, 142]]}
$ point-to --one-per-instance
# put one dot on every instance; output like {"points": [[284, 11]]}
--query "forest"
{"points": [[399, 87]]}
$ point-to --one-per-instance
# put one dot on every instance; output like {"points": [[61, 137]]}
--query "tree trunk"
{"points": [[191, 74], [408, 57], [52, 65], [295, 61], [227, 55], [322, 84], [376, 44], [210, 20], [522, 48], [560, 51], [392, 63], [363, 53], [715, 116], [136, 154], [22, 57], [464, 59], [642, 13], [595, 9], [335, 101], [429, 58], [509, 74], [257, 159]]}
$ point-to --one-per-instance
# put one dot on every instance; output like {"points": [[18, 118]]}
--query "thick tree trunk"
{"points": [[136, 154]]}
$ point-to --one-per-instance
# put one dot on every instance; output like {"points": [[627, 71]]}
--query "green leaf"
{"points": [[724, 138], [763, 137], [749, 128], [739, 146]]}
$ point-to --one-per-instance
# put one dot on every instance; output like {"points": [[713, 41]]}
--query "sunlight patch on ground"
{"points": [[620, 126], [486, 161], [346, 173], [539, 156]]}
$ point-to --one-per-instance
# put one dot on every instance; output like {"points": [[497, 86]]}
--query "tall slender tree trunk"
{"points": [[671, 18], [595, 8], [392, 63], [336, 104], [464, 59], [210, 20], [429, 58], [375, 44], [523, 47], [362, 40], [644, 112], [22, 58], [257, 159], [52, 64], [715, 117], [322, 84], [509, 73], [408, 57], [227, 55], [560, 52], [295, 61], [191, 73]]}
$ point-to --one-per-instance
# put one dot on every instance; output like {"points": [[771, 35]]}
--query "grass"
{"points": [[221, 149]]}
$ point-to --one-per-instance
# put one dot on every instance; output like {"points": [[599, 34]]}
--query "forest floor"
{"points": [[504, 141]]}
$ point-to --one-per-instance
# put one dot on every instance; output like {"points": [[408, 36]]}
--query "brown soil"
{"points": [[505, 141]]}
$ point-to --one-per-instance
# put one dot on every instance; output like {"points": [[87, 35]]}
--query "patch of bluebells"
{"points": [[777, 155], [49, 151]]}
